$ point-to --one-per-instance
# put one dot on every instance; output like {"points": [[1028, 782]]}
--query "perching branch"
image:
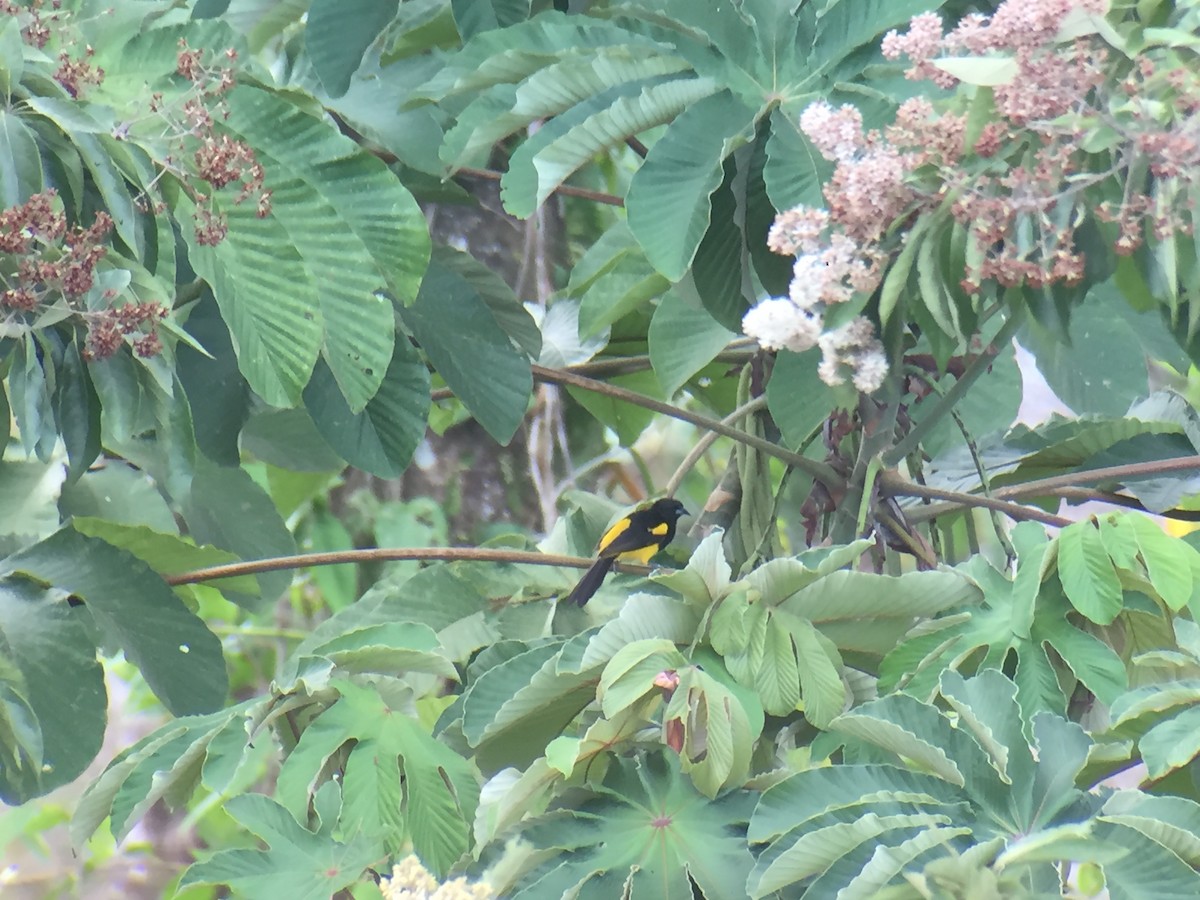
{"points": [[390, 554], [818, 470], [899, 486]]}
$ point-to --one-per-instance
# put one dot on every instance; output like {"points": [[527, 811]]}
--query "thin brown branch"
{"points": [[818, 470], [1108, 473], [390, 554], [898, 486], [736, 352], [1064, 486], [1091, 495]]}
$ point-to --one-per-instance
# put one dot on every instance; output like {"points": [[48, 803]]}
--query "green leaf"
{"points": [[460, 335], [848, 24], [794, 171], [227, 509], [1173, 822], [568, 141], [135, 610], [381, 439], [642, 617], [902, 725], [167, 554], [77, 411], [216, 391], [714, 732], [311, 275], [20, 164], [167, 765], [119, 493], [1172, 743], [631, 673], [819, 669], [439, 787], [1091, 660], [339, 32], [1102, 370], [799, 401], [1169, 561], [519, 705], [388, 648], [575, 76], [474, 16], [28, 497], [668, 202], [52, 696], [298, 863], [613, 278], [1062, 749], [1145, 870], [651, 834], [809, 794], [992, 403], [12, 59], [510, 313], [628, 420], [1087, 574], [862, 611]]}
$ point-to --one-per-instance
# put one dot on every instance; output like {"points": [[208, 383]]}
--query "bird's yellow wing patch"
{"points": [[618, 529]]}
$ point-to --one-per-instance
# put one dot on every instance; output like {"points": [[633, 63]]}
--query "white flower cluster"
{"points": [[824, 274], [412, 881]]}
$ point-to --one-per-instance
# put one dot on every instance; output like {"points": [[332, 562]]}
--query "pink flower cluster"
{"points": [[56, 265]]}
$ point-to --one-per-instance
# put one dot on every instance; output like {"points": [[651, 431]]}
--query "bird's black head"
{"points": [[669, 509]]}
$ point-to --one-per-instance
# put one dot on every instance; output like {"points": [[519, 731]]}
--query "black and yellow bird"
{"points": [[634, 538]]}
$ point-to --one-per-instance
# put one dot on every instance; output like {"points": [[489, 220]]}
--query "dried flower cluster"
{"points": [[214, 160], [411, 881], [47, 263], [1066, 99], [1072, 127], [75, 72]]}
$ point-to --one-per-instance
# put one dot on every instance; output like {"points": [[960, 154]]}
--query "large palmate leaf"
{"points": [[549, 91], [612, 279], [298, 862], [515, 708], [601, 122], [1020, 618], [228, 509], [321, 684], [645, 832], [1102, 369], [352, 233], [510, 56], [398, 781], [1162, 717], [166, 765], [970, 789]]}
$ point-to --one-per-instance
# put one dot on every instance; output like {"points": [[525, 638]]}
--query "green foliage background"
{"points": [[759, 718]]}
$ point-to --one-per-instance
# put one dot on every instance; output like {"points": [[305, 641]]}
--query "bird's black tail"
{"points": [[591, 581]]}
